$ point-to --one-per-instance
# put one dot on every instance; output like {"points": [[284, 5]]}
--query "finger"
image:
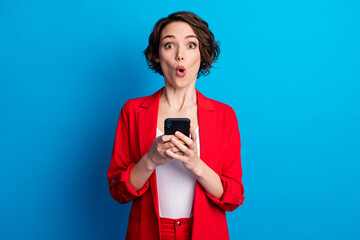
{"points": [[180, 153], [173, 136], [179, 145], [180, 141], [193, 134], [175, 150], [194, 138], [179, 157], [182, 136], [167, 145], [166, 138]]}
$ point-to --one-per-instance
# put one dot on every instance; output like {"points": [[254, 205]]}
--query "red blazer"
{"points": [[220, 150]]}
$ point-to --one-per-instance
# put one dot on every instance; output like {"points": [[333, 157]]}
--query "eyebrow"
{"points": [[172, 36]]}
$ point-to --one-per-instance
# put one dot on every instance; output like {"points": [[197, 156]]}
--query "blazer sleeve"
{"points": [[231, 172], [122, 162]]}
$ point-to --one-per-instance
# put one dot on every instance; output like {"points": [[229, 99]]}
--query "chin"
{"points": [[179, 82]]}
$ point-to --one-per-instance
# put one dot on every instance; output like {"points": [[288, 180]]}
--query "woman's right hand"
{"points": [[157, 153]]}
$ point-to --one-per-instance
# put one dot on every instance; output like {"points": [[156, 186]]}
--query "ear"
{"points": [[157, 60]]}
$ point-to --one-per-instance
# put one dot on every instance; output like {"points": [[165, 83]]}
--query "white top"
{"points": [[176, 187]]}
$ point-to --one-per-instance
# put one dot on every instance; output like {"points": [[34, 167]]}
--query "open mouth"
{"points": [[180, 71]]}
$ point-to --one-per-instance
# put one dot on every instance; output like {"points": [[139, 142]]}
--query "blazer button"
{"points": [[178, 224]]}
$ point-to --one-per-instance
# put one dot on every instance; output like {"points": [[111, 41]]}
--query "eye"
{"points": [[191, 45], [169, 45]]}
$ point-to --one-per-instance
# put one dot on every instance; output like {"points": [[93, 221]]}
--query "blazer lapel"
{"points": [[147, 134], [206, 118], [148, 121]]}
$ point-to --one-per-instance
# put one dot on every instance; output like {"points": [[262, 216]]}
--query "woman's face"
{"points": [[179, 54]]}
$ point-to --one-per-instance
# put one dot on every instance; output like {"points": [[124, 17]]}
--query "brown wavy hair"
{"points": [[209, 48]]}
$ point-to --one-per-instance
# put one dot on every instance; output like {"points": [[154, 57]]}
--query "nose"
{"points": [[179, 54], [179, 58]]}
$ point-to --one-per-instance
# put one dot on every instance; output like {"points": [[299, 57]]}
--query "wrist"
{"points": [[198, 171], [149, 165]]}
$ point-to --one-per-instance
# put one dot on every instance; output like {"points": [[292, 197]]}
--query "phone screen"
{"points": [[177, 124]]}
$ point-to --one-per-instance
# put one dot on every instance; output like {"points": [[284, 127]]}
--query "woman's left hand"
{"points": [[188, 155]]}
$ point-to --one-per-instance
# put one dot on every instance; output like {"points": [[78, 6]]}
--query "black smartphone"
{"points": [[172, 125]]}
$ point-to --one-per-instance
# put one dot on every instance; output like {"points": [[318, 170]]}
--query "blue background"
{"points": [[290, 69]]}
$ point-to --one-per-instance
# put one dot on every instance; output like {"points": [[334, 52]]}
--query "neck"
{"points": [[179, 99]]}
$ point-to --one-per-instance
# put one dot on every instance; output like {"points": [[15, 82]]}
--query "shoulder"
{"points": [[220, 106], [225, 117], [225, 113], [135, 104], [214, 105]]}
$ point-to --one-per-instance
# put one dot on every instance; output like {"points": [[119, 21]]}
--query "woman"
{"points": [[178, 192]]}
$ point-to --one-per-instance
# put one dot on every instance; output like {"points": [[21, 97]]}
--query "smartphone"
{"points": [[177, 124]]}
